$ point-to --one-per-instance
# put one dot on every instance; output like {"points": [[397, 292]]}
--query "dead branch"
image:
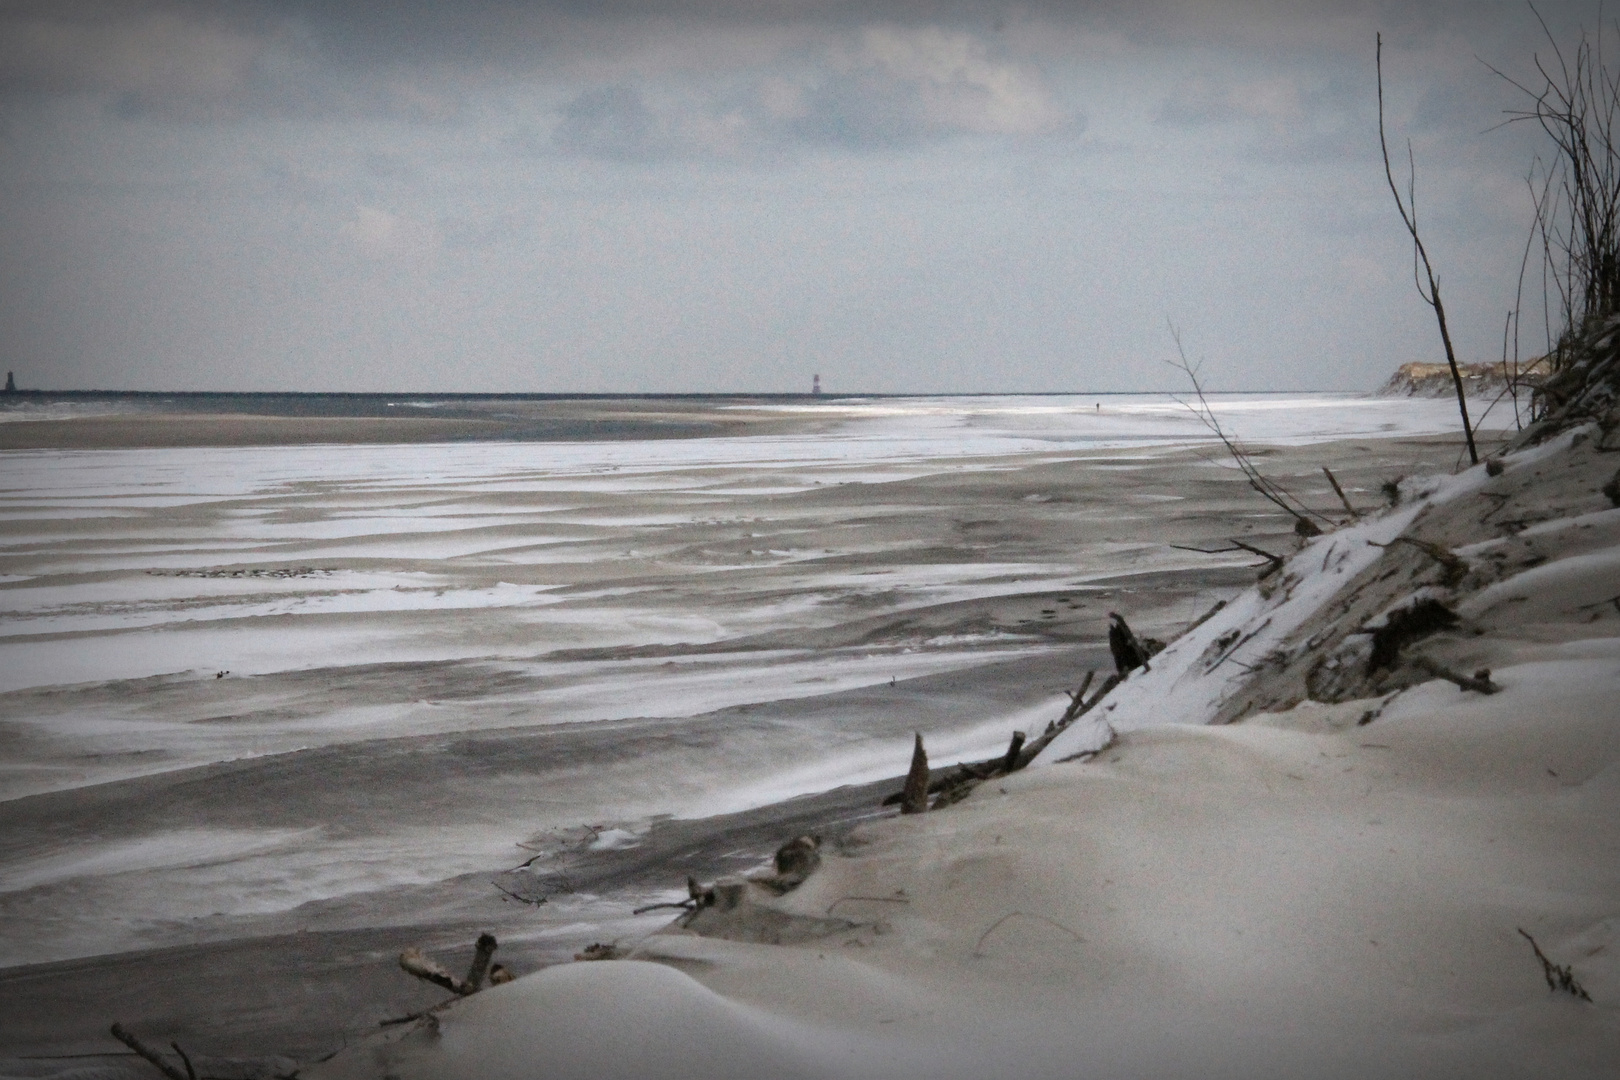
{"points": [[914, 798], [1355, 515], [1205, 617], [1454, 567], [1275, 562], [1419, 252], [415, 963], [1272, 564], [1244, 640], [1559, 976], [1271, 491], [1077, 700], [979, 945], [519, 898], [125, 1036], [684, 905], [1479, 682], [1033, 750]]}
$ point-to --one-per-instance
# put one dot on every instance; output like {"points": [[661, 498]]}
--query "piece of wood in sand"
{"points": [[1355, 515], [483, 952], [914, 798], [167, 1068], [1010, 762], [415, 963], [1479, 682]]}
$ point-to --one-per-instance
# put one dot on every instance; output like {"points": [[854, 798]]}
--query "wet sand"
{"points": [[150, 421]]}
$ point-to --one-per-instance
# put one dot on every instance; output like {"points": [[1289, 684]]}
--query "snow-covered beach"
{"points": [[255, 695]]}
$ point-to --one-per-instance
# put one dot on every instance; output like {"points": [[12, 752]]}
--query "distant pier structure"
{"points": [[815, 385], [11, 383]]}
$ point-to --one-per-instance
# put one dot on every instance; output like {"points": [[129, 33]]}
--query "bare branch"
{"points": [[1408, 212], [1272, 492]]}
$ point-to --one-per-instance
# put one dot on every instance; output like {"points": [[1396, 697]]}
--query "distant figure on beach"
{"points": [[11, 383]]}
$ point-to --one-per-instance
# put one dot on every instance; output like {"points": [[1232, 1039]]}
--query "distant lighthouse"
{"points": [[815, 385]]}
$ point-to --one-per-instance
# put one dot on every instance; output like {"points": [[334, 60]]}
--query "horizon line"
{"points": [[590, 395]]}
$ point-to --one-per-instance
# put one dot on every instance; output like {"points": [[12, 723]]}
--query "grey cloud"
{"points": [[879, 87], [202, 62], [610, 122]]}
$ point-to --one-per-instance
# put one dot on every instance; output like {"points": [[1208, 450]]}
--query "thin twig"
{"points": [[1241, 642], [873, 899], [978, 945], [517, 896]]}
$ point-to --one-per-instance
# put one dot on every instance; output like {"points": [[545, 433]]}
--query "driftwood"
{"points": [[1077, 701], [1072, 714], [1479, 682], [166, 1067], [483, 952], [481, 971], [1355, 515], [413, 962], [914, 798], [684, 905], [1205, 617]]}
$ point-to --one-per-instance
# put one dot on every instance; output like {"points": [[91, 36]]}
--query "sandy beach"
{"points": [[274, 711]]}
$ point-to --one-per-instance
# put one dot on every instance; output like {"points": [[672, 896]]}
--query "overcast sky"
{"points": [[732, 196]]}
